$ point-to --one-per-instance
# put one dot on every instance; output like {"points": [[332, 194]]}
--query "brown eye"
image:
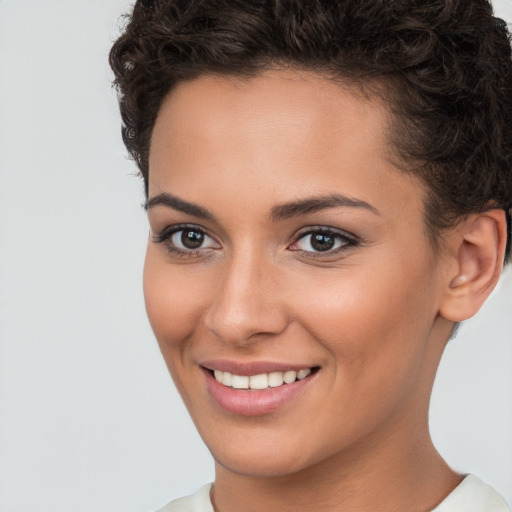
{"points": [[322, 241], [186, 239], [192, 239]]}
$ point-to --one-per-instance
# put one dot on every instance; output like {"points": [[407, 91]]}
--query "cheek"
{"points": [[374, 334], [372, 323], [173, 303]]}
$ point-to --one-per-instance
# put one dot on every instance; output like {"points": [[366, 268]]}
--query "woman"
{"points": [[329, 192]]}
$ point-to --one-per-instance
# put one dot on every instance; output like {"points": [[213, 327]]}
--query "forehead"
{"points": [[297, 106], [282, 133]]}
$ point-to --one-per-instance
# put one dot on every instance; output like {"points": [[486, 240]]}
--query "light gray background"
{"points": [[89, 419]]}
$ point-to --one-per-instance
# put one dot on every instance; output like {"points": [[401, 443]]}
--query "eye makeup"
{"points": [[185, 240], [191, 240], [323, 242]]}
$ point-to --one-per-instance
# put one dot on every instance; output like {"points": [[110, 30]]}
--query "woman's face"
{"points": [[284, 244]]}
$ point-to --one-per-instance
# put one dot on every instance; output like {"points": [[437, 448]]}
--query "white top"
{"points": [[471, 495]]}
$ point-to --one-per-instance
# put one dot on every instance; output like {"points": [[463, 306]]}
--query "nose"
{"points": [[247, 302]]}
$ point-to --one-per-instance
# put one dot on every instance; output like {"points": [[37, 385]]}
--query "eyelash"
{"points": [[347, 241], [165, 236]]}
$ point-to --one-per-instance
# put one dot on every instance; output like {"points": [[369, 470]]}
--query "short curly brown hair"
{"points": [[443, 67]]}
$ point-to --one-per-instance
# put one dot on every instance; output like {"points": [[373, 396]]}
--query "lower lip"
{"points": [[248, 402]]}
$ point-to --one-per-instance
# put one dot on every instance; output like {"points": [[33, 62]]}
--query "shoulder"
{"points": [[473, 495], [198, 502]]}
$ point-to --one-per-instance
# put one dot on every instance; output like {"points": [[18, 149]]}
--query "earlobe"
{"points": [[477, 252]]}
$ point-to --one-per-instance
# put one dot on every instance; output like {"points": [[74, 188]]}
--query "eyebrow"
{"points": [[315, 204], [166, 199], [279, 212]]}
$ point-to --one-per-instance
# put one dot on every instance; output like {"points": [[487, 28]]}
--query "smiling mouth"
{"points": [[263, 380]]}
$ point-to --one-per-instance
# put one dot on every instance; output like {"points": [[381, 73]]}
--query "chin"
{"points": [[253, 455], [268, 466]]}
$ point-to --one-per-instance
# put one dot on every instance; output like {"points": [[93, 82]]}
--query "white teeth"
{"points": [[302, 374], [260, 381], [289, 376], [227, 379], [240, 382], [275, 379]]}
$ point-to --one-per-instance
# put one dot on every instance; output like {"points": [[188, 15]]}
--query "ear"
{"points": [[476, 250]]}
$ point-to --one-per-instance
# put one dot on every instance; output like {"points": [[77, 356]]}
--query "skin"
{"points": [[374, 316]]}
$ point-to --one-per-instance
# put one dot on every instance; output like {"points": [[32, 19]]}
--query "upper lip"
{"points": [[252, 367]]}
